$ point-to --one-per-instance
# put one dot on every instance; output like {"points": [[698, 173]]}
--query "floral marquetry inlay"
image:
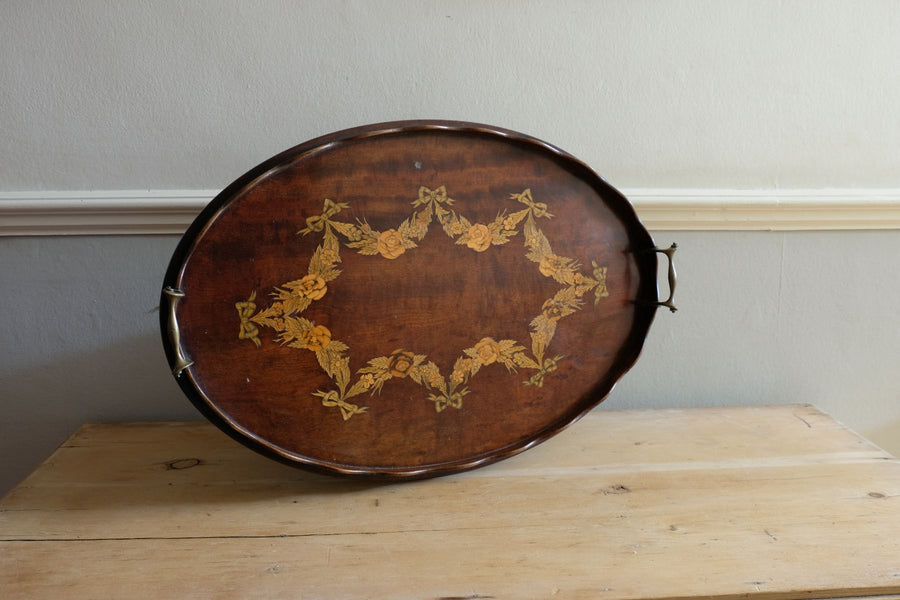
{"points": [[292, 298]]}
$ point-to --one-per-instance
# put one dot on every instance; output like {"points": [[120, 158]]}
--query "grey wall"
{"points": [[80, 341], [188, 95]]}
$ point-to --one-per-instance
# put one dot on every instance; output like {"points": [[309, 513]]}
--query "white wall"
{"points": [[750, 94], [184, 94]]}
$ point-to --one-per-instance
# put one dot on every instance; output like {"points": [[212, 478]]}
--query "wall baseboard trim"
{"points": [[169, 212]]}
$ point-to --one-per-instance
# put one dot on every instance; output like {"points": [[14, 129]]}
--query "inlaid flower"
{"points": [[311, 286], [367, 381], [479, 237], [460, 370], [552, 309], [390, 244], [435, 380], [400, 363], [317, 337], [551, 264], [487, 351], [540, 337], [354, 233], [456, 227], [329, 256]]}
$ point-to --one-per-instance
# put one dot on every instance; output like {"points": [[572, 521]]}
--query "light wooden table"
{"points": [[775, 502]]}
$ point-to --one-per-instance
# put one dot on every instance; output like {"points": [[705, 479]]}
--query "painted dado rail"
{"points": [[141, 212]]}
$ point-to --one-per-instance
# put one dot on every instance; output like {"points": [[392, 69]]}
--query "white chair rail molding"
{"points": [[148, 212]]}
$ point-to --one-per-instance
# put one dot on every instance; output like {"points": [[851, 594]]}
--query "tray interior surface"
{"points": [[410, 301]]}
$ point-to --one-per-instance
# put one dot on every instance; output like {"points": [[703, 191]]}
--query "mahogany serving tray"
{"points": [[408, 299]]}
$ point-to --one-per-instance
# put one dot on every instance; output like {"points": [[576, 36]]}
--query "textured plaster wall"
{"points": [[189, 95]]}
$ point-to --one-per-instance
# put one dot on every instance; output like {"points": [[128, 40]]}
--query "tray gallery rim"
{"points": [[207, 218]]}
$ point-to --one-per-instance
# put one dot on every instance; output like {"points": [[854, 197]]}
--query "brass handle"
{"points": [[672, 276], [181, 361]]}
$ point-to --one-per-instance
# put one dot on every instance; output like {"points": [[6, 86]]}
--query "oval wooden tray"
{"points": [[408, 299]]}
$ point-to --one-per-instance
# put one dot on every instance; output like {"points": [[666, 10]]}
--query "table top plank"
{"points": [[772, 502]]}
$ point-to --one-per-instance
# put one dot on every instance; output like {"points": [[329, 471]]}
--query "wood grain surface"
{"points": [[769, 502], [411, 299]]}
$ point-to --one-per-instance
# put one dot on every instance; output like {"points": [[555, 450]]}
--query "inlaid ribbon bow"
{"points": [[453, 400], [347, 409], [317, 222], [246, 310], [600, 275], [550, 365], [427, 195], [538, 208]]}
